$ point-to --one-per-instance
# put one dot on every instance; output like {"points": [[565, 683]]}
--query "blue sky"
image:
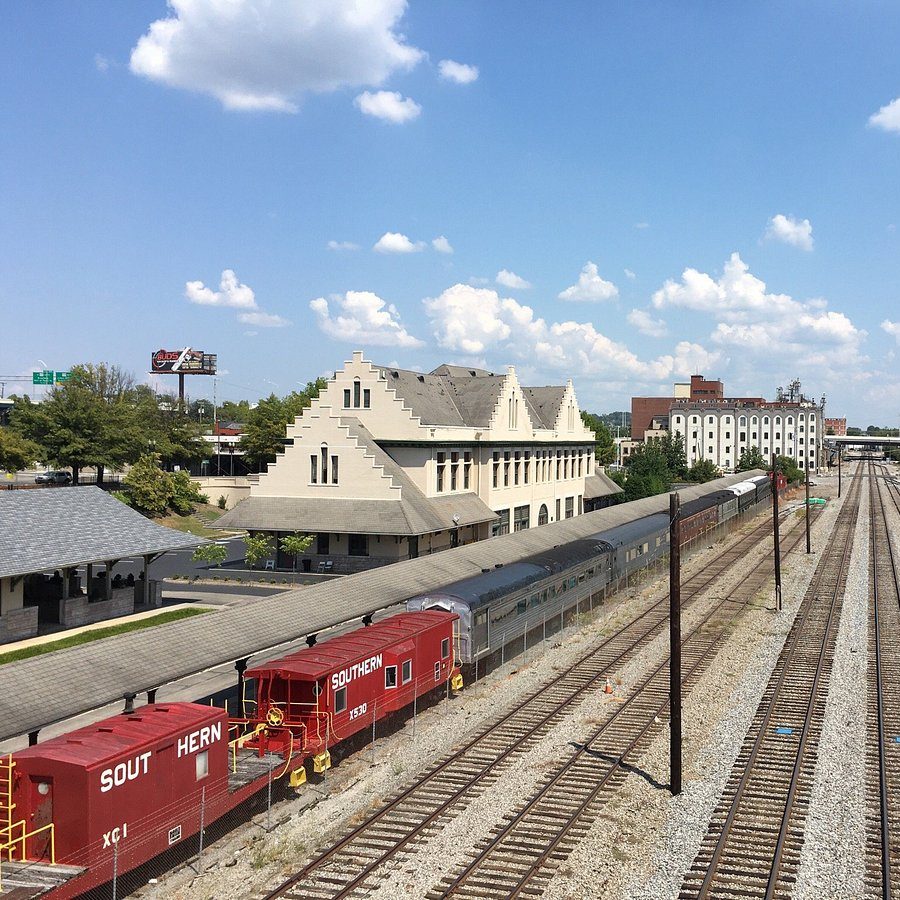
{"points": [[684, 187]]}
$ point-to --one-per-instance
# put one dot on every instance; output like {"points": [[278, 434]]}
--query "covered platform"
{"points": [[52, 688], [48, 536]]}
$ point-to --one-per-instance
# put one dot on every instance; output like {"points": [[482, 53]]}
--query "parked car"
{"points": [[54, 478]]}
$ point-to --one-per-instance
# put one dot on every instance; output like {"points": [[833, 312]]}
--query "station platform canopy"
{"points": [[52, 688]]}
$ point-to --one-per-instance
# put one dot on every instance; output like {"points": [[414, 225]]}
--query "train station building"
{"points": [[390, 464]]}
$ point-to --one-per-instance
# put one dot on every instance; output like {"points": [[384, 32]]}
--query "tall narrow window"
{"points": [[324, 464], [356, 392], [367, 399], [440, 472], [347, 398], [467, 466], [312, 469], [334, 470]]}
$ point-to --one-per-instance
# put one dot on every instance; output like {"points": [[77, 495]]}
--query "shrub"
{"points": [[221, 502]]}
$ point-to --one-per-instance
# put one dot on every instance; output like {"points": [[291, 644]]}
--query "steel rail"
{"points": [[846, 520]]}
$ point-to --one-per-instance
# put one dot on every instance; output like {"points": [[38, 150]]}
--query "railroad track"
{"points": [[448, 786], [752, 847], [883, 690]]}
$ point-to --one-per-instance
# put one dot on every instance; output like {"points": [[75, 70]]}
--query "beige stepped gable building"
{"points": [[388, 464]]}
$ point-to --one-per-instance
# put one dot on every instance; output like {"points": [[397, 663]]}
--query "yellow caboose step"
{"points": [[321, 762]]}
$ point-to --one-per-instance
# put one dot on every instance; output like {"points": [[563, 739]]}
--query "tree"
{"points": [[16, 452], [185, 493], [647, 473], [751, 458], [257, 547], [214, 554], [230, 411], [789, 468], [149, 487], [605, 449], [672, 446], [295, 544], [174, 436], [89, 420], [703, 470], [266, 427]]}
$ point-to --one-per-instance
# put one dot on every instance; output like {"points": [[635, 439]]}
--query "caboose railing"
{"points": [[17, 842]]}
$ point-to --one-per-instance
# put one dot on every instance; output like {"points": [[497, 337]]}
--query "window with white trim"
{"points": [[340, 700], [406, 671], [390, 676]]}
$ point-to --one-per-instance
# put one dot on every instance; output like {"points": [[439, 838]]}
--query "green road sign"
{"points": [[45, 377], [63, 376]]}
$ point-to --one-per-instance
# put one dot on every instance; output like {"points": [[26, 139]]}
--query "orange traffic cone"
{"points": [[608, 688]]}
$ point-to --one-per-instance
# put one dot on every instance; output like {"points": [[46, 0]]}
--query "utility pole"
{"points": [[808, 544], [674, 644], [775, 532], [839, 471]]}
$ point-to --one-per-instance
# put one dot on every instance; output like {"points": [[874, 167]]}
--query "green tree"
{"points": [[89, 420], [229, 411], [647, 472], [703, 470], [185, 493], [257, 547], [789, 468], [149, 487], [672, 446], [751, 458], [605, 448], [174, 436], [16, 452], [295, 544], [214, 554], [266, 426]]}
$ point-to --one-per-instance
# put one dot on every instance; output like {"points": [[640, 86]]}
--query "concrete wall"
{"points": [[11, 597], [233, 489], [80, 611], [18, 624]]}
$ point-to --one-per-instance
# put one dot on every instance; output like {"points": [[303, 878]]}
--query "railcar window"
{"points": [[437, 671], [202, 764], [590, 572], [521, 606], [445, 648], [390, 676], [407, 671], [340, 700], [572, 581], [544, 595], [534, 600], [563, 588], [581, 578]]}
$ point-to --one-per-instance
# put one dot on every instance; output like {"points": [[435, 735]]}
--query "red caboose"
{"points": [[312, 699], [130, 784]]}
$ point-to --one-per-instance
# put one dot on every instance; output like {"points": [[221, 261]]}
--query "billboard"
{"points": [[183, 362]]}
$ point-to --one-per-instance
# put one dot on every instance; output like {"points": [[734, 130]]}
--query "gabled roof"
{"points": [[427, 396], [546, 402], [54, 528], [460, 371], [476, 398], [599, 484], [412, 513]]}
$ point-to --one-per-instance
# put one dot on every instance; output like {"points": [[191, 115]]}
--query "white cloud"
{"points": [[892, 328], [361, 317], [342, 245], [762, 323], [263, 320], [101, 63], [393, 242], [231, 293], [888, 117], [461, 73], [790, 231], [646, 324], [590, 286], [472, 320], [266, 56], [630, 275], [391, 106], [641, 225], [508, 279], [442, 245]]}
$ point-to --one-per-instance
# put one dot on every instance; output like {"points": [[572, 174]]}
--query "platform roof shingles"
{"points": [[599, 484], [54, 528], [47, 689]]}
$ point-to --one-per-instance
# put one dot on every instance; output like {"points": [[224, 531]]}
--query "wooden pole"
{"points": [[775, 533], [808, 542], [674, 644], [839, 471]]}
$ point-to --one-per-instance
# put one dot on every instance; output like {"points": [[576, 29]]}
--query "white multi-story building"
{"points": [[721, 431], [389, 464]]}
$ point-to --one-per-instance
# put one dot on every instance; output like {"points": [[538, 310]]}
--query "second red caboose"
{"points": [[321, 695]]}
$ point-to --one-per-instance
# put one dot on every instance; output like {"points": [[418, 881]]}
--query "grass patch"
{"points": [[85, 637]]}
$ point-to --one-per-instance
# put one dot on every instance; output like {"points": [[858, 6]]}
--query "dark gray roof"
{"points": [[545, 401], [476, 398], [50, 688], [459, 371], [599, 484], [412, 513], [53, 528]]}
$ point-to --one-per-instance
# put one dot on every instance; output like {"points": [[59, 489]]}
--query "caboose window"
{"points": [[445, 648], [390, 677], [340, 700], [202, 764], [437, 671], [407, 671]]}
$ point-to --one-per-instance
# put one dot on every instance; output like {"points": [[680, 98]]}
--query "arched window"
{"points": [[357, 391], [543, 515], [324, 463]]}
